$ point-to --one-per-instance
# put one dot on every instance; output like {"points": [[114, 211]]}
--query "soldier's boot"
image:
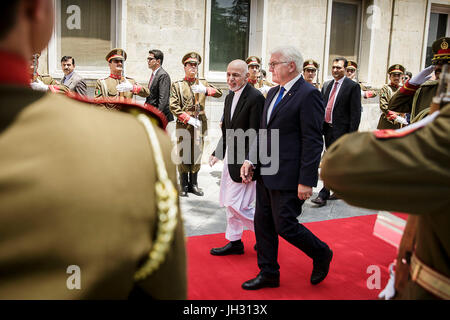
{"points": [[193, 185], [184, 185]]}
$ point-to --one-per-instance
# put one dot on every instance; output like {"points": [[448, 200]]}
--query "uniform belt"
{"points": [[329, 124], [192, 113], [429, 279]]}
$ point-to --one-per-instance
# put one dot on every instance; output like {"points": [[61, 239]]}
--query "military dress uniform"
{"points": [[53, 85], [106, 89], [387, 91], [416, 99], [182, 106], [260, 83], [407, 170], [79, 192], [310, 64], [366, 92]]}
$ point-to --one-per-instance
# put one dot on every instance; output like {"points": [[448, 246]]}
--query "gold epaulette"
{"points": [[430, 83]]}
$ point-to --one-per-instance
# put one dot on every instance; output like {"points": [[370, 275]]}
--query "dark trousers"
{"points": [[329, 138], [276, 214]]}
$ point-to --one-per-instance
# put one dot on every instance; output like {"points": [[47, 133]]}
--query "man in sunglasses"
{"points": [[118, 87]]}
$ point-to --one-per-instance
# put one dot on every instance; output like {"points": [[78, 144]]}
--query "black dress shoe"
{"points": [[193, 184], [320, 268], [229, 248], [184, 192], [319, 201], [333, 197], [261, 282], [193, 188]]}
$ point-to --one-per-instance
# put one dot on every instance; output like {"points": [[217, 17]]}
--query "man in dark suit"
{"points": [[242, 116], [293, 113], [159, 84], [342, 98], [71, 79]]}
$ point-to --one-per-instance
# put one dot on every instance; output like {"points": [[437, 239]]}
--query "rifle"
{"points": [[122, 94], [317, 77], [197, 131], [35, 63]]}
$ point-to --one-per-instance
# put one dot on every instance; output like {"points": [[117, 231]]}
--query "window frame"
{"points": [[435, 6], [118, 39], [326, 74], [256, 42]]}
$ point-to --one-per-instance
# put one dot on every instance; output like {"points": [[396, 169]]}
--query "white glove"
{"points": [[212, 160], [38, 85], [389, 291], [264, 89], [401, 120], [198, 88], [124, 86], [194, 122], [422, 76]]}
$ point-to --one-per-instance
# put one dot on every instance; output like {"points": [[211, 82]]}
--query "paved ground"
{"points": [[203, 215]]}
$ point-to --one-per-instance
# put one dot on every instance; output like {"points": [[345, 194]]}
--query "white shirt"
{"points": [[237, 95], [287, 86]]}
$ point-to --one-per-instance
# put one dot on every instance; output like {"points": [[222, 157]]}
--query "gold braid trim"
{"points": [[166, 198]]}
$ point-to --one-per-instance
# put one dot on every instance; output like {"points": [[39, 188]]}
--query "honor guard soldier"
{"points": [[390, 119], [350, 72], [89, 206], [44, 82], [310, 68], [255, 78], [187, 103], [416, 94], [118, 87], [406, 170]]}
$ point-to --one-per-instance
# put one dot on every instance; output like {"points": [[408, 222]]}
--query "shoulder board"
{"points": [[430, 83], [127, 107], [390, 133]]}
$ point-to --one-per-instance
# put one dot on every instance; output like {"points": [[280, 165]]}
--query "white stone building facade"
{"points": [[374, 33]]}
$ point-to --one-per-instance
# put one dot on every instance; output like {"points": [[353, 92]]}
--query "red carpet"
{"points": [[351, 239]]}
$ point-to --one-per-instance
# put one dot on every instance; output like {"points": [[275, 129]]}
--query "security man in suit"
{"points": [[416, 94], [390, 119], [342, 100], [159, 84], [117, 87], [44, 82], [187, 103], [88, 204], [406, 170], [72, 79], [255, 78], [310, 68]]}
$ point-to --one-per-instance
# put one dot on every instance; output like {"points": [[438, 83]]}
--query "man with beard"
{"points": [[242, 114]]}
